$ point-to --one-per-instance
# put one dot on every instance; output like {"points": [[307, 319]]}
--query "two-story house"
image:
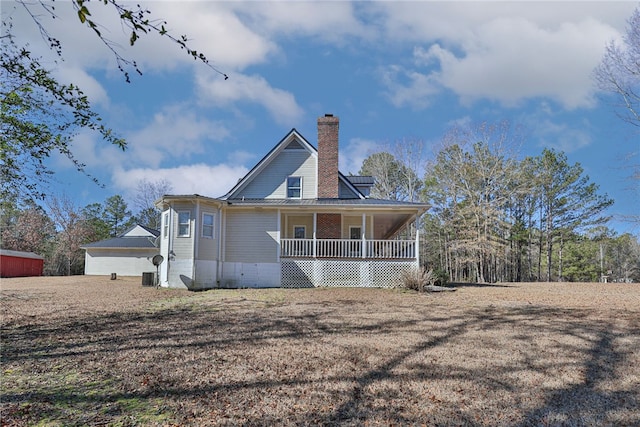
{"points": [[293, 221]]}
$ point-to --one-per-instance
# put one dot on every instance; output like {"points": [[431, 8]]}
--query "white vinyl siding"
{"points": [[251, 236], [182, 247], [271, 183], [125, 262], [349, 221], [208, 244], [290, 221], [138, 231]]}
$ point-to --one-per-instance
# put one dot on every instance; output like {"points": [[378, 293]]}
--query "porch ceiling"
{"points": [[386, 225]]}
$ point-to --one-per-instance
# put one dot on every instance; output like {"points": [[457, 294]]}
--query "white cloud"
{"points": [[174, 133], [408, 87], [515, 59], [280, 104], [95, 92], [91, 151], [213, 28], [507, 52], [206, 180], [354, 153], [561, 136], [241, 157], [333, 22]]}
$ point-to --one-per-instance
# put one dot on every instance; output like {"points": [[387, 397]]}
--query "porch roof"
{"points": [[362, 203]]}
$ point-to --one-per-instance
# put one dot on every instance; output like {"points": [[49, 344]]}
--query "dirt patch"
{"points": [[90, 351]]}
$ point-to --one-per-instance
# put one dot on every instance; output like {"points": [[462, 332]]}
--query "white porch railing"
{"points": [[348, 248]]}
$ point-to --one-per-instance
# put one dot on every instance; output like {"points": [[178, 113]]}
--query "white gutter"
{"points": [[219, 257], [196, 242]]}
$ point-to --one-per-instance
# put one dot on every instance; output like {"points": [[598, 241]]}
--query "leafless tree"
{"points": [[31, 230], [619, 70], [72, 232], [147, 192], [411, 152]]}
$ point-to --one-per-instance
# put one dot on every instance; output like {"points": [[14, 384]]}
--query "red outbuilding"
{"points": [[20, 264]]}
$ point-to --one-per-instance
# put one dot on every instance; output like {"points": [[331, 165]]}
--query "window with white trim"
{"points": [[299, 232], [355, 232], [184, 223], [165, 225], [207, 225], [294, 187]]}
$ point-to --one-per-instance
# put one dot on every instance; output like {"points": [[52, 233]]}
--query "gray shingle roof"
{"points": [[20, 254], [123, 243], [361, 180]]}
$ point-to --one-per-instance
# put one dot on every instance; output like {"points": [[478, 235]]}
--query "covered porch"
{"points": [[348, 248], [360, 235]]}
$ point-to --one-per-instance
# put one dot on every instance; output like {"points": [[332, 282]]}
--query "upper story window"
{"points": [[165, 225], [184, 224], [207, 225], [294, 187]]}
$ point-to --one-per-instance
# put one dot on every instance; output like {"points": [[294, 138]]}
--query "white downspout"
{"points": [[278, 237], [417, 247], [196, 244], [315, 226], [362, 232], [223, 241], [218, 258]]}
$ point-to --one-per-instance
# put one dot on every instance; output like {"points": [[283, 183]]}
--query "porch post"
{"points": [[315, 221], [278, 235], [363, 231], [418, 246]]}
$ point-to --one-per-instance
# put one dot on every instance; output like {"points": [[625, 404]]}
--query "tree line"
{"points": [[58, 230], [497, 218]]}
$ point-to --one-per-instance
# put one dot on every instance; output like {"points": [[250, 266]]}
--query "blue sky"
{"points": [[389, 70]]}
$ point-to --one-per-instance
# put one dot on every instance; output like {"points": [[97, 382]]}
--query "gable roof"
{"points": [[20, 254], [149, 230], [294, 140], [123, 243], [268, 158]]}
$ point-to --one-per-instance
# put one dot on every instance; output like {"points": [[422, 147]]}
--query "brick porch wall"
{"points": [[329, 226]]}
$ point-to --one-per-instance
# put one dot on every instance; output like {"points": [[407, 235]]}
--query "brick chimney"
{"points": [[328, 157]]}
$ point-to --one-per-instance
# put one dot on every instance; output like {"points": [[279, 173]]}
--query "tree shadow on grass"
{"points": [[397, 386], [477, 285], [590, 401]]}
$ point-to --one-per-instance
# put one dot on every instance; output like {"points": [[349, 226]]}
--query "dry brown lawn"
{"points": [[91, 351]]}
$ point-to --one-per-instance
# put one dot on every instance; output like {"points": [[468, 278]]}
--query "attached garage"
{"points": [[126, 255], [20, 264]]}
